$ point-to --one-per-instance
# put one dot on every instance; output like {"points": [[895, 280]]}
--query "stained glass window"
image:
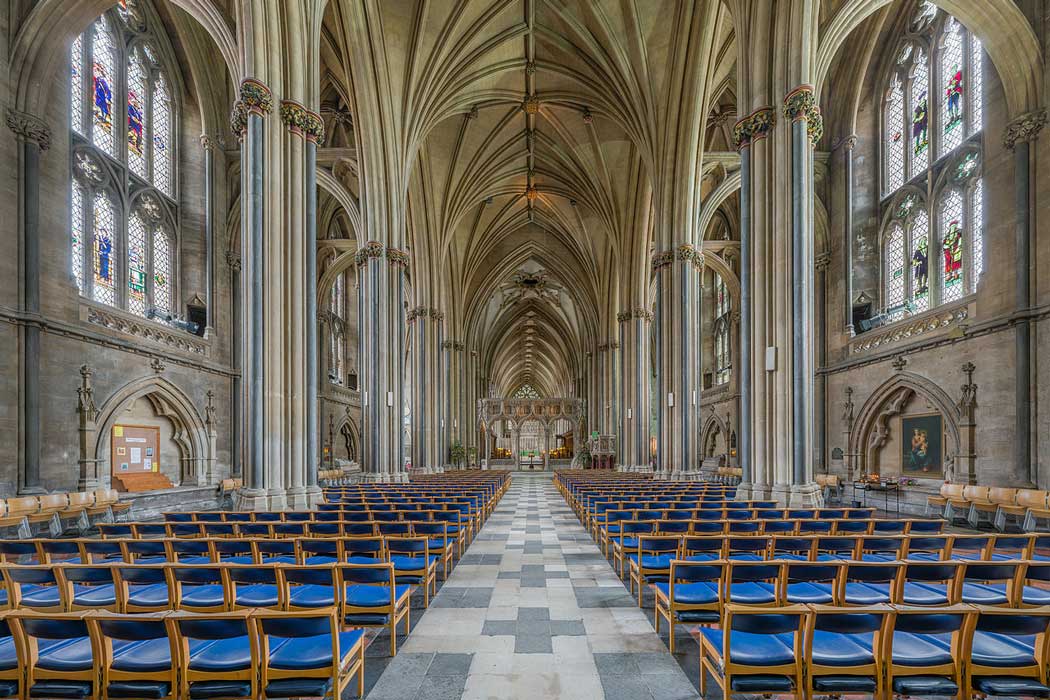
{"points": [[137, 264], [122, 243], [77, 230], [977, 230], [895, 274], [976, 87], [103, 78], [76, 86], [935, 88], [137, 116], [895, 136], [723, 354], [952, 246], [920, 261], [526, 391], [920, 114], [162, 136], [104, 253], [336, 305], [951, 58]]}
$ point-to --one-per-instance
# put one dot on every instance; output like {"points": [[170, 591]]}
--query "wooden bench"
{"points": [[144, 481]]}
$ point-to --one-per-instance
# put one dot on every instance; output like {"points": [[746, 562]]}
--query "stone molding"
{"points": [[1025, 128], [144, 329], [909, 328], [424, 312], [28, 127]]}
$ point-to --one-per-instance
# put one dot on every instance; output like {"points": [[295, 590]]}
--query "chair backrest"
{"points": [[951, 490], [24, 505], [749, 571], [1002, 496], [371, 574], [82, 499], [925, 527], [742, 527], [406, 545], [105, 497], [792, 545], [977, 494]]}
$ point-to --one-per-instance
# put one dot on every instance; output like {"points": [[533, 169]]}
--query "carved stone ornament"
{"points": [[689, 254], [822, 261], [301, 121], [623, 316], [531, 105], [371, 250], [1024, 128], [149, 206], [87, 167], [899, 363], [238, 119], [29, 128], [968, 401], [85, 395], [397, 257], [662, 259], [754, 126], [256, 97], [233, 260], [848, 409], [157, 365], [209, 409], [800, 103], [525, 285]]}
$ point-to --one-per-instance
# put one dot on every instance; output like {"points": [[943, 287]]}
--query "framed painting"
{"points": [[922, 446]]}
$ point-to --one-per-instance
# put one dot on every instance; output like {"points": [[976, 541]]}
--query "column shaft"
{"points": [[745, 366]]}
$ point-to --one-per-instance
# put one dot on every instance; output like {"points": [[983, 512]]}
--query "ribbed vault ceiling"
{"points": [[526, 142]]}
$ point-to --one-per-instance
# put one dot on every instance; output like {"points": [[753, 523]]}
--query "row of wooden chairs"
{"points": [[883, 650], [24, 512], [242, 655], [992, 504]]}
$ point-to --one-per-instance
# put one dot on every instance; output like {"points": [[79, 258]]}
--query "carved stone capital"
{"points": [[397, 257], [28, 127], [754, 126], [211, 143], [822, 261], [256, 97], [233, 260], [801, 103], [1025, 128], [371, 250]]}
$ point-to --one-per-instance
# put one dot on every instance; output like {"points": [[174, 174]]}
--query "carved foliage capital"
{"points": [[801, 103], [1024, 128], [256, 97], [397, 257], [371, 250], [754, 126], [28, 127]]}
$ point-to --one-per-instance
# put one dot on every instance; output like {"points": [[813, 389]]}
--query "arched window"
{"points": [[931, 115], [337, 337], [123, 197], [526, 391], [723, 352]]}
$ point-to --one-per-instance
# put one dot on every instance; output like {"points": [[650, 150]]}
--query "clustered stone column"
{"points": [[427, 387], [677, 274], [455, 410], [34, 137], [634, 387], [381, 287]]}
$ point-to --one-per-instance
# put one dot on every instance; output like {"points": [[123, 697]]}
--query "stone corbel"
{"points": [[28, 127]]}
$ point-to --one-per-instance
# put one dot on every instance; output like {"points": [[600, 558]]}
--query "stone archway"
{"points": [[168, 401], [890, 400], [714, 434]]}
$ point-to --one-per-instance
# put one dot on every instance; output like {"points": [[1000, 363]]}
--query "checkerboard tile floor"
{"points": [[533, 610]]}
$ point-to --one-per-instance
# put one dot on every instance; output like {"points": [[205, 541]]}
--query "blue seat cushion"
{"points": [[813, 593], [984, 593], [837, 649], [365, 596], [750, 649], [362, 560], [305, 653], [844, 684], [752, 592], [245, 559], [321, 559], [761, 683], [436, 545], [298, 688], [95, 596], [1032, 595], [628, 543], [233, 654], [60, 689], [991, 649], [149, 596], [911, 649], [69, 655], [924, 685], [204, 690], [367, 619], [205, 596], [257, 595], [653, 561], [40, 596], [407, 563], [698, 593], [924, 593], [312, 596], [744, 556], [138, 689], [867, 593], [8, 656], [150, 655], [1010, 686], [8, 689], [283, 559], [700, 617]]}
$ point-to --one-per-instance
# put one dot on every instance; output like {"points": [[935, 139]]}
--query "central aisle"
{"points": [[533, 611]]}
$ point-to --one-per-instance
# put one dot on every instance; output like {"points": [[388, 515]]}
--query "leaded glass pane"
{"points": [[137, 83], [161, 272], [895, 136], [952, 246], [920, 119], [137, 265], [976, 85], [920, 261], [895, 276], [104, 253], [104, 76], [77, 230], [161, 116], [76, 85], [526, 391], [952, 83], [977, 231]]}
